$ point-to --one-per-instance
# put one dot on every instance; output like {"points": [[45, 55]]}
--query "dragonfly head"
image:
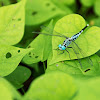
{"points": [[61, 47]]}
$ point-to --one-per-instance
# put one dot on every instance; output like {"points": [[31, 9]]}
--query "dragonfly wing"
{"points": [[77, 55], [47, 29], [81, 53]]}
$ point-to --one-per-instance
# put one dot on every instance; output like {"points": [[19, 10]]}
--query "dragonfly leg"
{"points": [[73, 49], [69, 54], [56, 49], [77, 57], [61, 53]]}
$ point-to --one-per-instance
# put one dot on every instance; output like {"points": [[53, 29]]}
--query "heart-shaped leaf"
{"points": [[88, 41]]}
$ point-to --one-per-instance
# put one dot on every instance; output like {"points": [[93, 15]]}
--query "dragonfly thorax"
{"points": [[65, 44]]}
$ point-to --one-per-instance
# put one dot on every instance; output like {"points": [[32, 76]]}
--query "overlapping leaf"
{"points": [[42, 47], [19, 76]]}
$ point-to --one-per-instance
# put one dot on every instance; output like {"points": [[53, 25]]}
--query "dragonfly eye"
{"points": [[59, 46], [63, 47]]}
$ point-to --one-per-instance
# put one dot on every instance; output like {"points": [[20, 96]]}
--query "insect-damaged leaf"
{"points": [[10, 57], [39, 11], [42, 47]]}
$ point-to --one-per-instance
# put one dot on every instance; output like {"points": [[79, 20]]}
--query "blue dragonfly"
{"points": [[63, 47]]}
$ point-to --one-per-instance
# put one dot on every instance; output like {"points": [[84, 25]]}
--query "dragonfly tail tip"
{"points": [[87, 24]]}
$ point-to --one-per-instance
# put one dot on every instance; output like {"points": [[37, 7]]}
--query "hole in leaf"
{"points": [[29, 53], [53, 9], [36, 56], [86, 70], [34, 13], [30, 56], [47, 4], [19, 19], [18, 51], [29, 46], [8, 55]]}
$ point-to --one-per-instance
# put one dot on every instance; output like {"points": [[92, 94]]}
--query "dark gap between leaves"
{"points": [[27, 83], [8, 55]]}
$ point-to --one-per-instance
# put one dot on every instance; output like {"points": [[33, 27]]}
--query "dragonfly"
{"points": [[68, 40]]}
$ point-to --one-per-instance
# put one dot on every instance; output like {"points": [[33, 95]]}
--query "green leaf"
{"points": [[65, 2], [8, 92], [97, 7], [19, 76], [12, 23], [39, 11], [52, 86], [42, 47], [10, 57], [88, 89], [87, 3], [73, 67], [70, 25]]}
